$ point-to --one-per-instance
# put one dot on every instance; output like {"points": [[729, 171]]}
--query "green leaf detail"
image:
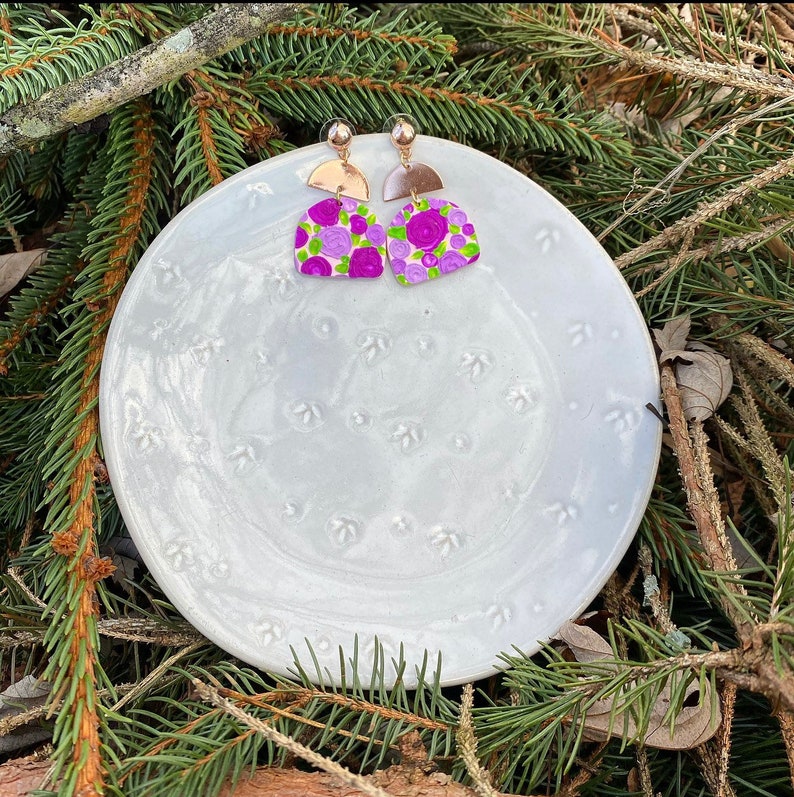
{"points": [[315, 228], [444, 211], [355, 239], [432, 273], [362, 210], [303, 255], [364, 243], [344, 217], [406, 215], [470, 250], [344, 260], [402, 280], [372, 219], [315, 246], [440, 249], [417, 255], [454, 229], [397, 232], [304, 225], [423, 204], [342, 268]]}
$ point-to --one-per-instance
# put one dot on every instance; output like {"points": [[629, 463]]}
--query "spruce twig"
{"points": [[211, 695], [139, 73]]}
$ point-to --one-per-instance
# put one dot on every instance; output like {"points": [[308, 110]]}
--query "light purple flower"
{"points": [[415, 273], [399, 249], [325, 213], [301, 237], [336, 241], [468, 229], [358, 224], [457, 241], [397, 265], [457, 217], [376, 235], [316, 266], [426, 230], [365, 262], [348, 204], [429, 260], [450, 261], [436, 204]]}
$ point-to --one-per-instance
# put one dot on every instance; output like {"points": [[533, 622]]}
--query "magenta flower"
{"points": [[316, 266], [467, 229], [365, 262], [325, 213], [301, 236], [336, 241], [415, 273], [450, 261], [358, 224], [429, 260], [376, 235], [426, 230]]}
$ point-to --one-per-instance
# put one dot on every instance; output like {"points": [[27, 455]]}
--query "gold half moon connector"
{"points": [[341, 179], [416, 178]]}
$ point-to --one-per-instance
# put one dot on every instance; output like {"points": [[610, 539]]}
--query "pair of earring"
{"points": [[341, 237]]}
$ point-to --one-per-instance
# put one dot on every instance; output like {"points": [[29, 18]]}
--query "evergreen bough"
{"points": [[666, 130]]}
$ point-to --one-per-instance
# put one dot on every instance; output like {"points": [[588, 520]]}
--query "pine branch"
{"points": [[84, 569], [138, 74]]}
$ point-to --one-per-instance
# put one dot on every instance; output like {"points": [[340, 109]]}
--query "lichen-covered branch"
{"points": [[137, 74]]}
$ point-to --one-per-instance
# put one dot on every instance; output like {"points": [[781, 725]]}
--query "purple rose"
{"points": [[301, 236], [436, 203], [415, 273], [468, 229], [457, 241], [336, 241], [457, 217], [450, 261], [316, 266], [358, 224], [399, 249], [349, 204], [397, 265], [426, 230], [428, 261], [376, 235], [365, 262], [325, 213]]}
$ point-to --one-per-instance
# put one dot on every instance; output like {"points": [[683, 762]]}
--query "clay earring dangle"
{"points": [[428, 237], [340, 236]]}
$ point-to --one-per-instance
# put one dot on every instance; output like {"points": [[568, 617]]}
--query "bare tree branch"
{"points": [[138, 73]]}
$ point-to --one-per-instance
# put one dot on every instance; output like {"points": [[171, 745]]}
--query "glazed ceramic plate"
{"points": [[455, 466]]}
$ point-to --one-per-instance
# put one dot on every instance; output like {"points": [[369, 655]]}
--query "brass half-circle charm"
{"points": [[418, 177], [339, 176]]}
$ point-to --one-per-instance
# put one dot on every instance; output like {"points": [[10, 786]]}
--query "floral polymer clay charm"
{"points": [[428, 237], [340, 236]]}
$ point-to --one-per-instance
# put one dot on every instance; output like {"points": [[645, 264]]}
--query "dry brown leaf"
{"points": [[695, 724], [672, 337], [585, 643], [25, 694], [16, 266], [704, 376], [704, 382]]}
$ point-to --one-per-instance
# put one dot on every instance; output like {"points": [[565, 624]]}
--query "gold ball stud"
{"points": [[403, 134], [339, 135]]}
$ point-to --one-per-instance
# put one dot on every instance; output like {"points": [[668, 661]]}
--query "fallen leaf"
{"points": [[17, 265], [703, 375], [672, 337], [26, 694], [696, 722], [586, 644], [704, 382]]}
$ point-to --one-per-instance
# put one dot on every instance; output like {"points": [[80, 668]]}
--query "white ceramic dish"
{"points": [[456, 466]]}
